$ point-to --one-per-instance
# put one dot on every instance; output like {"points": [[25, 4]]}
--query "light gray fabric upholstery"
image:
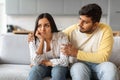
{"points": [[14, 72], [14, 49], [115, 56]]}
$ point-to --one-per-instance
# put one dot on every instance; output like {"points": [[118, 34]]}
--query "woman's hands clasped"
{"points": [[46, 63]]}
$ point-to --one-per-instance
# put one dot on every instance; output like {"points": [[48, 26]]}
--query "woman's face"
{"points": [[44, 27]]}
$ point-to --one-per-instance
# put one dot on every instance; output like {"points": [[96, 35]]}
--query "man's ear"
{"points": [[95, 25]]}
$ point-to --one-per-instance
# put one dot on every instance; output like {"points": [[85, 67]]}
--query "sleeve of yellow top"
{"points": [[103, 52], [68, 30]]}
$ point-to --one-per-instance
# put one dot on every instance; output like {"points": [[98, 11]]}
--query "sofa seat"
{"points": [[14, 71]]}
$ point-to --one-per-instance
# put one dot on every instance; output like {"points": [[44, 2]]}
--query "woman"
{"points": [[45, 45]]}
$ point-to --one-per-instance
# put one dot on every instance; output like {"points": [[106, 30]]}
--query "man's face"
{"points": [[86, 25]]}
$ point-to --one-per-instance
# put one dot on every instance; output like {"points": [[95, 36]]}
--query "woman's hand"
{"points": [[30, 37], [39, 35], [41, 44], [46, 63]]}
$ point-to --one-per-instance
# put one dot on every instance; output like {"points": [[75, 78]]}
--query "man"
{"points": [[92, 43]]}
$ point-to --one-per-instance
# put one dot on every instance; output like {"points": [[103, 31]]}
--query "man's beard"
{"points": [[89, 31]]}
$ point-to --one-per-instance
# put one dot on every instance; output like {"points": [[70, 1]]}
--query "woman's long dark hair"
{"points": [[51, 21]]}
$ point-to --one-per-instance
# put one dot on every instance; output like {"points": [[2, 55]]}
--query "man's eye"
{"points": [[85, 22]]}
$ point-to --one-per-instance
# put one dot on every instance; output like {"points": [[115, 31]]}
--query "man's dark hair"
{"points": [[93, 11]]}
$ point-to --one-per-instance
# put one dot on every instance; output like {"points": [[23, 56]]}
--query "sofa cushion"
{"points": [[14, 72], [115, 56], [14, 49]]}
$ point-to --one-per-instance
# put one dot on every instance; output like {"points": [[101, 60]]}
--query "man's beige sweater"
{"points": [[95, 47]]}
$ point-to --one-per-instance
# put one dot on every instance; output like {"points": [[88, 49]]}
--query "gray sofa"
{"points": [[15, 57]]}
